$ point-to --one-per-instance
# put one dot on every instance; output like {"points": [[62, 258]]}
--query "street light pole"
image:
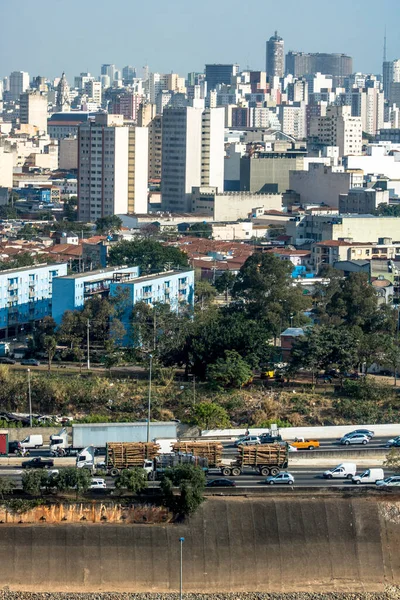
{"points": [[88, 343], [181, 540], [149, 403], [30, 398], [397, 344]]}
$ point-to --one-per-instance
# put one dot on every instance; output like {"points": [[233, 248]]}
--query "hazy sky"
{"points": [[45, 37]]}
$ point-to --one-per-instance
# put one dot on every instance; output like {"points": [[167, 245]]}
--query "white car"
{"points": [[393, 481], [283, 477], [355, 438], [249, 440], [292, 448], [98, 484]]}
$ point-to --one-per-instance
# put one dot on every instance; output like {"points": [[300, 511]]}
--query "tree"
{"points": [[225, 282], [208, 415], [149, 255], [6, 486], [24, 259], [50, 345], [230, 371], [355, 302], [70, 208], [72, 478], [393, 459], [191, 482], [33, 481], [108, 224], [387, 210], [203, 230], [204, 293], [133, 480]]}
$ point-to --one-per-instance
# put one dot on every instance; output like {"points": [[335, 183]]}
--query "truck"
{"points": [[120, 456], [99, 434], [265, 459], [303, 444]]}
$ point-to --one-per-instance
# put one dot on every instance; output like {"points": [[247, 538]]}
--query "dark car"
{"points": [[221, 483], [30, 362], [14, 447], [270, 439], [4, 360], [38, 463]]}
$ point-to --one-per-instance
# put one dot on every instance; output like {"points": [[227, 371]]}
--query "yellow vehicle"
{"points": [[302, 444], [268, 374]]}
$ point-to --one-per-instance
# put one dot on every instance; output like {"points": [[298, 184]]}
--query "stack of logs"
{"points": [[212, 451], [128, 454]]}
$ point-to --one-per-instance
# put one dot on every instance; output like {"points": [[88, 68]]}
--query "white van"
{"points": [[369, 476], [342, 471], [32, 441]]}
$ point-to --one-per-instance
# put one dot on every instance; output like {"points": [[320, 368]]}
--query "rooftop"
{"points": [[99, 272]]}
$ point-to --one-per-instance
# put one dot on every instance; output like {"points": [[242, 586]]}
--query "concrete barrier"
{"points": [[282, 543], [319, 433]]}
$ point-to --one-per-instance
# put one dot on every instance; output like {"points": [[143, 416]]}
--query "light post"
{"points": [[30, 398], [194, 389], [181, 540], [88, 343], [149, 403], [397, 344]]}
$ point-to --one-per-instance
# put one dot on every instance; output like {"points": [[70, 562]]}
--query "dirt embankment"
{"points": [[277, 544]]}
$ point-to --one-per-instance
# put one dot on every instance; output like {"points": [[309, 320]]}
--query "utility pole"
{"points": [[30, 398], [181, 540], [397, 344], [149, 402], [88, 343]]}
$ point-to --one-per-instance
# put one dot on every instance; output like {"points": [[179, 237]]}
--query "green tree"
{"points": [[8, 212], [133, 480], [204, 293], [190, 480], [72, 478], [203, 230], [71, 208], [225, 282], [108, 224], [149, 255], [6, 486], [393, 459], [21, 260], [230, 371], [208, 415], [33, 481], [355, 303], [50, 346]]}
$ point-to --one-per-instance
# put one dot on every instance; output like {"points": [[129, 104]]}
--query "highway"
{"points": [[304, 477], [327, 444]]}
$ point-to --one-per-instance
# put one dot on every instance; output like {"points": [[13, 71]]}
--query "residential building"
{"points": [[322, 184], [33, 110], [267, 171], [19, 83], [391, 74], [138, 153], [26, 295], [192, 152], [338, 128], [95, 253], [68, 153], [218, 74], [93, 90], [146, 114], [330, 252], [379, 159], [70, 292], [368, 103], [338, 65], [293, 119], [230, 206], [103, 152], [127, 104], [362, 200], [6, 168], [61, 125], [363, 228], [155, 147], [275, 57], [390, 135], [175, 288]]}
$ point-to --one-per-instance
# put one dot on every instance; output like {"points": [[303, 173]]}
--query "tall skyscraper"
{"points": [[192, 154], [275, 57], [19, 83], [218, 74], [33, 110], [391, 74]]}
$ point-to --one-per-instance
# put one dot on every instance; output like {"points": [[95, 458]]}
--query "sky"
{"points": [[46, 37]]}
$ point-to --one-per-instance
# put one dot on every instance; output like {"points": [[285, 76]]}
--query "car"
{"points": [[396, 444], [98, 484], [267, 438], [30, 362], [393, 481], [366, 432], [283, 477], [393, 442], [292, 448], [7, 361], [38, 463], [303, 444], [14, 447], [248, 440], [221, 483], [355, 438]]}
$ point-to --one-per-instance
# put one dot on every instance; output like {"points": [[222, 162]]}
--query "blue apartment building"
{"points": [[175, 288], [71, 291], [26, 295]]}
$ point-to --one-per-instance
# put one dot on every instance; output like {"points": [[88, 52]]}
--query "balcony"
{"points": [[12, 286], [147, 294]]}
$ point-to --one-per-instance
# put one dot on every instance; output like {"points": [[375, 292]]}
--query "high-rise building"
{"points": [[128, 74], [81, 80], [368, 103], [110, 70], [338, 128], [301, 63], [19, 83], [293, 119], [138, 152], [275, 57], [146, 114], [192, 152], [218, 74], [127, 104], [155, 147], [93, 90], [33, 110], [391, 74]]}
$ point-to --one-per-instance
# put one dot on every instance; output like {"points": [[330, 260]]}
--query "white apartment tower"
{"points": [[33, 110], [19, 83], [338, 128], [103, 168], [212, 147], [138, 176], [93, 90]]}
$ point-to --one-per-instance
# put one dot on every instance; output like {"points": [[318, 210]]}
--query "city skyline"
{"points": [[125, 43]]}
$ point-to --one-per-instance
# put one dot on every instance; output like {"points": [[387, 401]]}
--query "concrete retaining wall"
{"points": [[277, 544], [21, 433]]}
